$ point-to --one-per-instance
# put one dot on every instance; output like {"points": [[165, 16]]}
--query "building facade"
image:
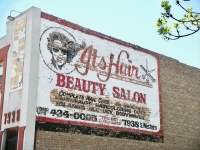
{"points": [[64, 86]]}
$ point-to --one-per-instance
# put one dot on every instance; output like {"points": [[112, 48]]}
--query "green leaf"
{"points": [[161, 31], [159, 21], [196, 17], [176, 26], [169, 30], [190, 18], [164, 21], [189, 9], [164, 3], [166, 6], [195, 23]]}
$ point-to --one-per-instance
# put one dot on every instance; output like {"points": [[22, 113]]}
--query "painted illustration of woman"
{"points": [[62, 49]]}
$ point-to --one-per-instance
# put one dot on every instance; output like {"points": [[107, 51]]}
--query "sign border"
{"points": [[120, 42]]}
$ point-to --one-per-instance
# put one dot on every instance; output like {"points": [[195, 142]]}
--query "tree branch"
{"points": [[171, 38], [186, 9], [188, 28], [181, 20], [190, 17], [184, 35]]}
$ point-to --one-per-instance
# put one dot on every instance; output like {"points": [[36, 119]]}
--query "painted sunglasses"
{"points": [[57, 49]]}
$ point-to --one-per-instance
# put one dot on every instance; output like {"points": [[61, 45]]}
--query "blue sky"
{"points": [[129, 20]]}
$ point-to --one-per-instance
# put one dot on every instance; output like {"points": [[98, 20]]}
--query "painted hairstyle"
{"points": [[71, 46]]}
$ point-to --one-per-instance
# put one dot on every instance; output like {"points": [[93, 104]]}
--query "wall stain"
{"points": [[54, 127]]}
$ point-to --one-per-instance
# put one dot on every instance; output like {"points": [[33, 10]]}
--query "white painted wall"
{"points": [[48, 78], [25, 98]]}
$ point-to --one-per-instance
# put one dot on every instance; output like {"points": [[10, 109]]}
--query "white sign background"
{"points": [[48, 79]]}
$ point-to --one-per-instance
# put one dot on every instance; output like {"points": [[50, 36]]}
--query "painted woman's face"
{"points": [[59, 54]]}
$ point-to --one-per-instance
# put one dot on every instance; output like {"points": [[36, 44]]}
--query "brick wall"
{"points": [[180, 91]]}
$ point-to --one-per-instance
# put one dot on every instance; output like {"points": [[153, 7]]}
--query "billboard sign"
{"points": [[92, 81]]}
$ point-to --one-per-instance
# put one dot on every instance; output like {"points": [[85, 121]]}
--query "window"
{"points": [[1, 72]]}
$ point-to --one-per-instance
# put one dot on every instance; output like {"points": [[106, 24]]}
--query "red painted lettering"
{"points": [[102, 87], [121, 93], [89, 55], [143, 98], [80, 84], [116, 92], [86, 90], [5, 118], [85, 59], [13, 116], [69, 83], [60, 80], [9, 115], [77, 85], [94, 86], [18, 115]]}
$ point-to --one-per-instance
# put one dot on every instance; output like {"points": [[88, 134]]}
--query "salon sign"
{"points": [[90, 81]]}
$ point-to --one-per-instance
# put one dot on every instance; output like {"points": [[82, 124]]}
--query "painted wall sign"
{"points": [[92, 81], [18, 53]]}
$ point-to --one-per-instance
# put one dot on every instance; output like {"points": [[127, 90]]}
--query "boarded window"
{"points": [[1, 72]]}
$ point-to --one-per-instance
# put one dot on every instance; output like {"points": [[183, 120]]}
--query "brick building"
{"points": [[64, 86]]}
